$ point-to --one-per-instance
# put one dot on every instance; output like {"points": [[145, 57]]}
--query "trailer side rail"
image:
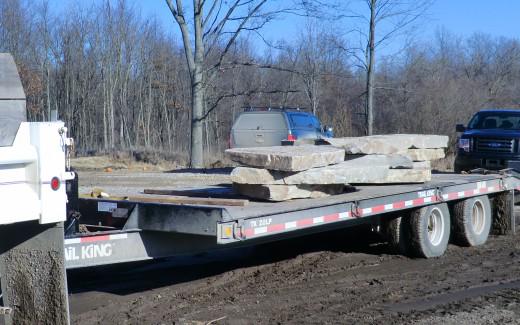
{"points": [[253, 228]]}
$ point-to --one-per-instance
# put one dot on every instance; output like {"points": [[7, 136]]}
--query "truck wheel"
{"points": [[430, 230], [472, 221], [397, 235]]}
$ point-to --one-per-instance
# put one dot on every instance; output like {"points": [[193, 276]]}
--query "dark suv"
{"points": [[490, 141]]}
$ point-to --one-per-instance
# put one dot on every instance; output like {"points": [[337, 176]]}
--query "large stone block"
{"points": [[366, 169], [287, 192], [388, 144], [422, 164], [287, 158], [425, 154], [398, 176], [365, 145], [408, 176], [391, 161], [419, 141]]}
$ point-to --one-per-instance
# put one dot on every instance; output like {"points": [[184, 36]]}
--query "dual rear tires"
{"points": [[472, 221], [426, 232]]}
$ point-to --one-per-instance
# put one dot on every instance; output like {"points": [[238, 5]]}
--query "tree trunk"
{"points": [[197, 111], [197, 88], [370, 70]]}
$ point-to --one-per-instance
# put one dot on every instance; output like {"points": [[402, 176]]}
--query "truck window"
{"points": [[495, 120], [304, 121], [263, 121]]}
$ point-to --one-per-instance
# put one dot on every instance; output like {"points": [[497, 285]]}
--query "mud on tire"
{"points": [[429, 230], [472, 221]]}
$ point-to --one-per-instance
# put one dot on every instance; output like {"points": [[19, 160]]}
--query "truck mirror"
{"points": [[460, 128]]}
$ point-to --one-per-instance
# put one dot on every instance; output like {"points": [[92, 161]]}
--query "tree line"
{"points": [[121, 81]]}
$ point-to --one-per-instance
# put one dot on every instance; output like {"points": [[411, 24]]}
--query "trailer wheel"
{"points": [[397, 235], [430, 230], [472, 221]]}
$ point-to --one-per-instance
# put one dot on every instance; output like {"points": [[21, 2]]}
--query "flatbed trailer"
{"points": [[128, 231]]}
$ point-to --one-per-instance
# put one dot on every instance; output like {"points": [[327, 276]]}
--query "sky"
{"points": [[465, 17], [460, 17]]}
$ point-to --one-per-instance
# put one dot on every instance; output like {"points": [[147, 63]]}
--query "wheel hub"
{"points": [[477, 217], [435, 227]]}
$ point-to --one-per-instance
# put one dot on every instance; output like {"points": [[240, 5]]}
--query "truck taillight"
{"points": [[55, 183], [291, 137]]}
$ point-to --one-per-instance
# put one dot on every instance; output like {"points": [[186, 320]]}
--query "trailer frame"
{"points": [[149, 230]]}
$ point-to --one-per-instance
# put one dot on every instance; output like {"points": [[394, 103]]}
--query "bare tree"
{"points": [[389, 18], [219, 27], [120, 82]]}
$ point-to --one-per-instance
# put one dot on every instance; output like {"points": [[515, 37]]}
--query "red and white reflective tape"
{"points": [[92, 239], [307, 222], [462, 194], [395, 206], [299, 224], [361, 212]]}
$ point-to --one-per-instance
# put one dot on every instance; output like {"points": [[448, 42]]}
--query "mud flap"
{"points": [[32, 273], [503, 212]]}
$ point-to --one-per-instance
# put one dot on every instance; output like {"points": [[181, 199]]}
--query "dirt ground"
{"points": [[348, 277]]}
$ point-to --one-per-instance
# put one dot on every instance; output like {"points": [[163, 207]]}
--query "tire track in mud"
{"points": [[291, 283], [447, 298]]}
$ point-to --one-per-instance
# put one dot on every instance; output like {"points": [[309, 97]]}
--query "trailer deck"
{"points": [[134, 230]]}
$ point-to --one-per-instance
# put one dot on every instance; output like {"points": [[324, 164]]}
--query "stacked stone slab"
{"points": [[363, 170], [419, 147], [271, 163], [287, 158], [290, 172]]}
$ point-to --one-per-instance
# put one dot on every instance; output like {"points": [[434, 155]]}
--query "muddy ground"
{"points": [[348, 277]]}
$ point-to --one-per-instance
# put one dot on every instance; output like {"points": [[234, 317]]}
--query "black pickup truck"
{"points": [[490, 141]]}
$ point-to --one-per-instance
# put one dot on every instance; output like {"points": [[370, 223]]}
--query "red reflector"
{"points": [[55, 183], [291, 137]]}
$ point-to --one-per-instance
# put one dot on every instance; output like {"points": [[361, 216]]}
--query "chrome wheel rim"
{"points": [[478, 217], [435, 227]]}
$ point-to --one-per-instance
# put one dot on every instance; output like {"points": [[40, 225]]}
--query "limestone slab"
{"points": [[389, 144], [425, 154], [366, 169], [408, 176], [287, 158], [402, 176], [391, 160], [419, 141], [422, 164], [286, 192], [365, 145]]}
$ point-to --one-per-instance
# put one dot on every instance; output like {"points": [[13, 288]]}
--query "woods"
{"points": [[121, 81]]}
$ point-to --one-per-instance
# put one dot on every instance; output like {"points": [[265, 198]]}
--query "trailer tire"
{"points": [[472, 221], [398, 235], [430, 230]]}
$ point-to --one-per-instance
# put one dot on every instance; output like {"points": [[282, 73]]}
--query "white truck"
{"points": [[32, 209]]}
